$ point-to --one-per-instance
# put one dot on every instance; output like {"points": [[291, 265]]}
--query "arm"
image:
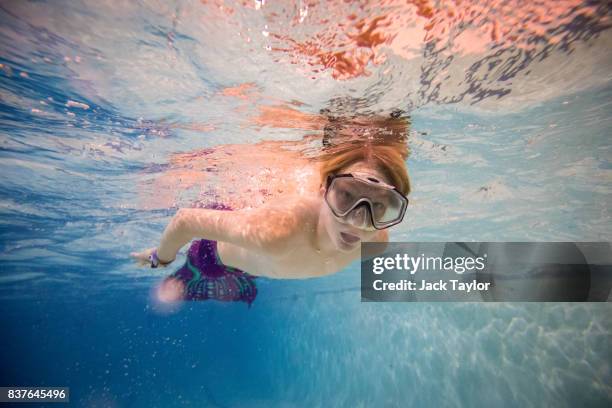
{"points": [[264, 229]]}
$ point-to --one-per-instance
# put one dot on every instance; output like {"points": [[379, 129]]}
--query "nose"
{"points": [[360, 217]]}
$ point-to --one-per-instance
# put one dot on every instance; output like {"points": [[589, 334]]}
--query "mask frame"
{"points": [[372, 182]]}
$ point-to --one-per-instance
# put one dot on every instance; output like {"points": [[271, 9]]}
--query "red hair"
{"points": [[379, 141]]}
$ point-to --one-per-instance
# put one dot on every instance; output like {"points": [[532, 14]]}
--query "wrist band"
{"points": [[155, 261]]}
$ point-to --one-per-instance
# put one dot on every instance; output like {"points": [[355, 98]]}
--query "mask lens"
{"points": [[341, 197], [387, 208]]}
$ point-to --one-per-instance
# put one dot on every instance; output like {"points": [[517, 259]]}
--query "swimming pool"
{"points": [[104, 104]]}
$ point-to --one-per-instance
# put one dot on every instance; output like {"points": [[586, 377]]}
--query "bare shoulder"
{"points": [[289, 218], [281, 216], [282, 223]]}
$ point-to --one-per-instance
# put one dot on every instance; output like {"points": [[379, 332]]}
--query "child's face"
{"points": [[347, 232]]}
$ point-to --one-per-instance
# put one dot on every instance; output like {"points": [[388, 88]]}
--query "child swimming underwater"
{"points": [[363, 192]]}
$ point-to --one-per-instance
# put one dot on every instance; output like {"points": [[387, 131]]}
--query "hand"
{"points": [[143, 257]]}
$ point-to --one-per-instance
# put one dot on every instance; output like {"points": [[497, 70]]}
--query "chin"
{"points": [[348, 249]]}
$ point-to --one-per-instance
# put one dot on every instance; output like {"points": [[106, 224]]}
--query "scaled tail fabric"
{"points": [[204, 277]]}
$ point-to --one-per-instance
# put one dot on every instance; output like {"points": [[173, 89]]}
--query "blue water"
{"points": [[533, 165]]}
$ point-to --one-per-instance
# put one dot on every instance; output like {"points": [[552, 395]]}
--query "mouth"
{"points": [[349, 238]]}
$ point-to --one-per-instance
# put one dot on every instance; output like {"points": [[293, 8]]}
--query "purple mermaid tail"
{"points": [[204, 276]]}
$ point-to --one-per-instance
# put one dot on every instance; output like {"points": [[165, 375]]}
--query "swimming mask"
{"points": [[353, 193]]}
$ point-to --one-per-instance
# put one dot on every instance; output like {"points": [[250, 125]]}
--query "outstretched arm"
{"points": [[172, 240], [264, 229]]}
